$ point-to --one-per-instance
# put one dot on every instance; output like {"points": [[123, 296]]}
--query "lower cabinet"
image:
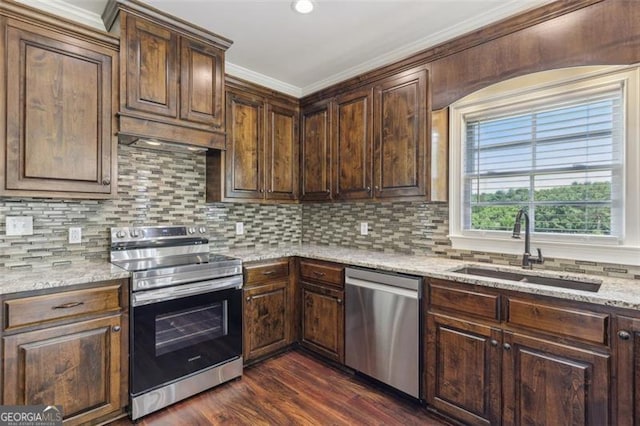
{"points": [[267, 309], [627, 371], [322, 293], [486, 364], [71, 357]]}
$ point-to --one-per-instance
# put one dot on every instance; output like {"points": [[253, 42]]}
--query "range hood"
{"points": [[158, 145]]}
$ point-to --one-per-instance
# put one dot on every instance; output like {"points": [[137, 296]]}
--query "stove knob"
{"points": [[120, 234], [142, 284], [134, 233], [191, 230], [203, 229]]}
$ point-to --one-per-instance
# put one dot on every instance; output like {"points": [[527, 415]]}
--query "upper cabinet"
{"points": [[374, 142], [260, 163], [171, 79], [58, 91]]}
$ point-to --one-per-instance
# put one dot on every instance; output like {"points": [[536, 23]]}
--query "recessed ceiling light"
{"points": [[303, 6]]}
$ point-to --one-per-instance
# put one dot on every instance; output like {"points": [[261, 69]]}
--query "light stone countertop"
{"points": [[13, 281], [617, 292]]}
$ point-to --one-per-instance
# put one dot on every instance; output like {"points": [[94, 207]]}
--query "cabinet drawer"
{"points": [[443, 296], [564, 321], [265, 271], [325, 272], [58, 306]]}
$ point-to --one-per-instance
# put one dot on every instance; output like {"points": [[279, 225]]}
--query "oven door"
{"points": [[180, 330]]}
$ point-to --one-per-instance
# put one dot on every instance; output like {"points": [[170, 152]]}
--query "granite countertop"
{"points": [[13, 281], [618, 292]]}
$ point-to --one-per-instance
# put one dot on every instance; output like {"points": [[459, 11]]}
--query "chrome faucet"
{"points": [[527, 260]]}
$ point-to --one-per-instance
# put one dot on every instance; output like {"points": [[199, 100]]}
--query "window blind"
{"points": [[558, 157]]}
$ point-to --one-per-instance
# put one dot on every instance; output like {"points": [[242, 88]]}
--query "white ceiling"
{"points": [[300, 54]]}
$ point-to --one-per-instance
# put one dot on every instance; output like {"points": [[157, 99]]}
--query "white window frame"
{"points": [[624, 250]]}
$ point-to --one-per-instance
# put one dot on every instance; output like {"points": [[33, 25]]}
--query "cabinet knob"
{"points": [[494, 343], [376, 187], [261, 190], [116, 328], [106, 181], [368, 189], [248, 299], [270, 190], [507, 347], [624, 335], [339, 301]]}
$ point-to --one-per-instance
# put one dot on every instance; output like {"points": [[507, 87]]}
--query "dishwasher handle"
{"points": [[355, 282]]}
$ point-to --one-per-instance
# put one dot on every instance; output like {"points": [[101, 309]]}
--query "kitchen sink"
{"points": [[592, 286]]}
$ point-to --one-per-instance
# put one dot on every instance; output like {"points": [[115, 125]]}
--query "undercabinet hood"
{"points": [[158, 145]]}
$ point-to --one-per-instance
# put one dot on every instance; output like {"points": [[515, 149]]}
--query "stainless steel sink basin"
{"points": [[592, 286]]}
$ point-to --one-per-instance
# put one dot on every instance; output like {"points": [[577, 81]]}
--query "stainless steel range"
{"points": [[186, 314]]}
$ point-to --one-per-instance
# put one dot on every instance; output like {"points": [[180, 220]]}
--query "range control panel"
{"points": [[149, 233]]}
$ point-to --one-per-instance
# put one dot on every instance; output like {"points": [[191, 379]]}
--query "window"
{"points": [[563, 146]]}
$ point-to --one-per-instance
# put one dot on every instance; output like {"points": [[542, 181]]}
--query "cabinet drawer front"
{"points": [[466, 301], [265, 272], [68, 304], [570, 322], [329, 273]]}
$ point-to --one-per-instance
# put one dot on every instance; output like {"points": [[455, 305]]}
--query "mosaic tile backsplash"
{"points": [[154, 188], [168, 188], [417, 228]]}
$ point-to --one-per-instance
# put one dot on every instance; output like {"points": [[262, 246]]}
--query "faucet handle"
{"points": [[540, 259]]}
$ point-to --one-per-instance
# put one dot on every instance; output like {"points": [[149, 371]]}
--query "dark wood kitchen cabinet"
{"points": [[493, 357], [627, 371], [315, 155], [67, 348], [261, 159], [172, 77], [322, 294], [268, 318], [59, 82]]}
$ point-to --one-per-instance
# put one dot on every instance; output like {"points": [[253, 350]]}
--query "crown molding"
{"points": [[262, 80], [509, 9], [66, 10]]}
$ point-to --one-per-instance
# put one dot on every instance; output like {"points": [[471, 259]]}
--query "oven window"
{"points": [[180, 329]]}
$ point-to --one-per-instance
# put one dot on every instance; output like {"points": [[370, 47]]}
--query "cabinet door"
{"points": [[549, 383], [244, 156], [201, 83], [463, 369], [59, 113], [281, 153], [400, 123], [152, 68], [353, 137], [76, 366], [627, 372], [323, 320], [315, 163], [267, 327]]}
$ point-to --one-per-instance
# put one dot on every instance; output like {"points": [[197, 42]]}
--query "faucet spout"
{"points": [[527, 260]]}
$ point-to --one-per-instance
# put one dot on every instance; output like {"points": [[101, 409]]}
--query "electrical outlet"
{"points": [[239, 228], [75, 235], [19, 225], [364, 228]]}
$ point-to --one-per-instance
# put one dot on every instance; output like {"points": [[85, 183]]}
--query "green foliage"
{"points": [[567, 216]]}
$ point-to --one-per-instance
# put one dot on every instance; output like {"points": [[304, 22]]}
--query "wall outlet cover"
{"points": [[364, 228], [75, 235], [239, 228], [19, 225]]}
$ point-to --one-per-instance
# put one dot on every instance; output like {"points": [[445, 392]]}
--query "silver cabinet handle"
{"points": [[68, 305], [116, 328], [494, 343], [624, 335], [106, 181], [507, 347]]}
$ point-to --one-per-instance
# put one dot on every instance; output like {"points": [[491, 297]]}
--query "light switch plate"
{"points": [[239, 228], [364, 228], [19, 225]]}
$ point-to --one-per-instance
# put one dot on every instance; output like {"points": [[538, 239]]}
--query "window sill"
{"points": [[588, 251]]}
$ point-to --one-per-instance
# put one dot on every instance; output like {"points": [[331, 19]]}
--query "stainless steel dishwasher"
{"points": [[382, 321]]}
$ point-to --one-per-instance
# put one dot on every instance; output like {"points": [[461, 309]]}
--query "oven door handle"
{"points": [[177, 292]]}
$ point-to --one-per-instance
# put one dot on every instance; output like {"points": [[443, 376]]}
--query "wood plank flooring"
{"points": [[292, 389]]}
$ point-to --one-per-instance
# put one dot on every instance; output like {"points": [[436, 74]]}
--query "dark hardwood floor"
{"points": [[292, 389]]}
